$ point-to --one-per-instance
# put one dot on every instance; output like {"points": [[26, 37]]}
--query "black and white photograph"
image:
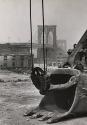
{"points": [[43, 62]]}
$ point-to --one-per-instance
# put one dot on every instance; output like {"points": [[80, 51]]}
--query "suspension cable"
{"points": [[43, 34], [31, 36], [46, 59]]}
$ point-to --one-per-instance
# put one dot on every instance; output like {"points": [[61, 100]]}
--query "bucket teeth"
{"points": [[53, 120], [29, 113], [47, 116], [37, 115], [44, 118], [32, 111]]}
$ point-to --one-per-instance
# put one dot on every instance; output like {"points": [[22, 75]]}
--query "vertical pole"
{"points": [[31, 36]]}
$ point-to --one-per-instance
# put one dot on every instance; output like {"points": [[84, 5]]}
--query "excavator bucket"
{"points": [[65, 96]]}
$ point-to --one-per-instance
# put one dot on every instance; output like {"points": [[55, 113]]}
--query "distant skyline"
{"points": [[70, 16]]}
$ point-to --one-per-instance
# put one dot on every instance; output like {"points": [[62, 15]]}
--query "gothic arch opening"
{"points": [[42, 38], [50, 38]]}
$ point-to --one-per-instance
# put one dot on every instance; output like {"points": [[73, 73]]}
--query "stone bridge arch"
{"points": [[49, 31]]}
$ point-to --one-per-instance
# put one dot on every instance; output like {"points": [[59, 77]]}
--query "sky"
{"points": [[70, 17]]}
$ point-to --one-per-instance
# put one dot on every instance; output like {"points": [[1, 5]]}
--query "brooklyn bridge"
{"points": [[18, 55]]}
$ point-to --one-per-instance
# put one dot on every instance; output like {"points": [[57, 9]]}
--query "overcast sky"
{"points": [[70, 16]]}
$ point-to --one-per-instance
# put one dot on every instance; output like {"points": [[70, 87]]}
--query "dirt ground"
{"points": [[17, 94]]}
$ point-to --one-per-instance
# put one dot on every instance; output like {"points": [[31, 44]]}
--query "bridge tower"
{"points": [[49, 35], [49, 40]]}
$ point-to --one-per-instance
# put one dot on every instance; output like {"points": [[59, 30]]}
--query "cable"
{"points": [[46, 59], [43, 34], [31, 36]]}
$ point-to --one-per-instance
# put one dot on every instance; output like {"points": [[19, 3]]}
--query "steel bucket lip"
{"points": [[73, 71]]}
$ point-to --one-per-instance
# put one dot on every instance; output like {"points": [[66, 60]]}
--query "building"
{"points": [[15, 55], [18, 55]]}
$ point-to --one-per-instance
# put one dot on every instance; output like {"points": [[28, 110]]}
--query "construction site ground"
{"points": [[17, 95]]}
